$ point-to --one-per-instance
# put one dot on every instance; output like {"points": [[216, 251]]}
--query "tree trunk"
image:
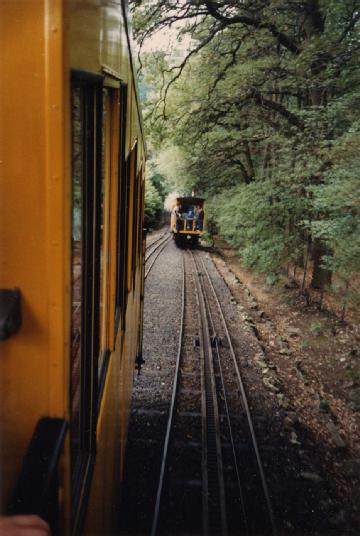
{"points": [[321, 277], [266, 159], [249, 161], [306, 260]]}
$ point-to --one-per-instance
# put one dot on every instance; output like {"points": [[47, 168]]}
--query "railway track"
{"points": [[189, 499], [177, 480], [214, 505], [225, 494], [155, 240], [241, 490], [153, 251], [164, 459]]}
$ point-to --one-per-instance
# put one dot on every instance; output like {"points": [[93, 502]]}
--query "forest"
{"points": [[255, 105]]}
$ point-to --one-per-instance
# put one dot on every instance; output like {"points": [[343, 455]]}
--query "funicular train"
{"points": [[71, 248], [187, 220]]}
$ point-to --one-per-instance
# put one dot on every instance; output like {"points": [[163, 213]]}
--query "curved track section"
{"points": [[152, 245], [152, 255]]}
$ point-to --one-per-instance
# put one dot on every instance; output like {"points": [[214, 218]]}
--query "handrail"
{"points": [[37, 488], [10, 312]]}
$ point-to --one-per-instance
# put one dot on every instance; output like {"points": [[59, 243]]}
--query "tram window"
{"points": [[127, 243], [131, 223], [140, 222], [105, 225], [77, 260], [123, 208], [86, 112], [135, 220]]}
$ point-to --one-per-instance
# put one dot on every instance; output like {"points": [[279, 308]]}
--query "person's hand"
{"points": [[23, 526]]}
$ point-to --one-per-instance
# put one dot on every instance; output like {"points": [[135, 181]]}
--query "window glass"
{"points": [[123, 208], [105, 224], [77, 261], [87, 223]]}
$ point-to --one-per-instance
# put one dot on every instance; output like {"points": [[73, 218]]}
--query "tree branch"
{"points": [[354, 20], [181, 67], [254, 22]]}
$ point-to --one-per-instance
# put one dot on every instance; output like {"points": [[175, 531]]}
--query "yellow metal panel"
{"points": [[98, 26], [114, 49], [57, 130], [129, 134], [84, 34], [32, 218], [22, 230], [57, 170], [102, 514], [98, 41]]}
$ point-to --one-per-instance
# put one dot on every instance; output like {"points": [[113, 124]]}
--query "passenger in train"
{"points": [[190, 214], [199, 218], [177, 212], [26, 525]]}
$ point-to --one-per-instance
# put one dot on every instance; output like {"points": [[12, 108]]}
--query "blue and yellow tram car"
{"points": [[71, 248], [187, 220]]}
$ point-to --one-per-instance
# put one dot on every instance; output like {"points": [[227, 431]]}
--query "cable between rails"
{"points": [[246, 407], [211, 427], [232, 441]]}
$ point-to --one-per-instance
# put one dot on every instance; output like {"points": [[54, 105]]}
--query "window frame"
{"points": [[123, 206], [82, 465]]}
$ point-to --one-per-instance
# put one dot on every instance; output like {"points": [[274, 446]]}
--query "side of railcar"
{"points": [[71, 246]]}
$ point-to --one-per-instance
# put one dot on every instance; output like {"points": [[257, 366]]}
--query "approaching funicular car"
{"points": [[187, 220]]}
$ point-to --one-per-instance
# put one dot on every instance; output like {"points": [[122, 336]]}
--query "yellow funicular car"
{"points": [[187, 220]]}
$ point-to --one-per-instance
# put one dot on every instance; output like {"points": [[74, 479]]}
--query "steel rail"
{"points": [[171, 412], [227, 412], [157, 243], [246, 407], [156, 240], [163, 244], [213, 474]]}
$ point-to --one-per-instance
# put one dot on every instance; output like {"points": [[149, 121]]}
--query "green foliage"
{"points": [[272, 279], [153, 205], [159, 183], [260, 221], [316, 329], [156, 190], [263, 118], [337, 205], [171, 164]]}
